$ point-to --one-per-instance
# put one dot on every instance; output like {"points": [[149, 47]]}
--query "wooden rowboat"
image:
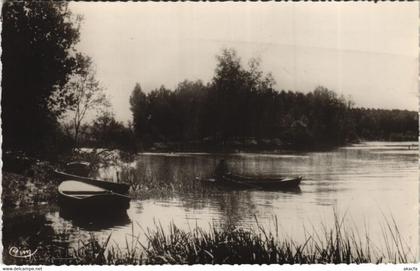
{"points": [[82, 196], [238, 181], [263, 182], [80, 168], [120, 188]]}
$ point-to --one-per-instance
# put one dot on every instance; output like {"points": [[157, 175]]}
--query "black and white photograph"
{"points": [[190, 133]]}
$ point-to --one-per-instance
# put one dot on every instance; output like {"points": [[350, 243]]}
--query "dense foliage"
{"points": [[38, 56], [106, 132], [241, 105], [395, 125]]}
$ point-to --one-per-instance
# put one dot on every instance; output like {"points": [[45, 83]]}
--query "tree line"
{"points": [[48, 89], [240, 106]]}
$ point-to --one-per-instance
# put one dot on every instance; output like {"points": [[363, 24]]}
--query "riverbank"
{"points": [[339, 243], [29, 182], [27, 190], [253, 145], [212, 145]]}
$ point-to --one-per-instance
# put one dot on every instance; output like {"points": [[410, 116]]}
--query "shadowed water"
{"points": [[368, 183]]}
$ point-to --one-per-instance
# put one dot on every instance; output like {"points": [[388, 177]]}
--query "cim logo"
{"points": [[21, 252]]}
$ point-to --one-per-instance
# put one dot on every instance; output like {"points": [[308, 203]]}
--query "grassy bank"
{"points": [[30, 182], [30, 188], [334, 245]]}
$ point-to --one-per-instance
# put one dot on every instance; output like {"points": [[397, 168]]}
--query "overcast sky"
{"points": [[366, 51]]}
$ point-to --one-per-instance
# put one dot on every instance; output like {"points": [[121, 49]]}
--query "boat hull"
{"points": [[84, 197], [243, 182], [269, 183], [120, 188], [97, 203]]}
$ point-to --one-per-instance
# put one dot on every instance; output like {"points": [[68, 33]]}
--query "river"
{"points": [[368, 183]]}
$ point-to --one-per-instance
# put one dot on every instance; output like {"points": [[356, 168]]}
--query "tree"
{"points": [[106, 132], [237, 92], [139, 110], [161, 115], [84, 95], [138, 107], [38, 57], [188, 105], [228, 90]]}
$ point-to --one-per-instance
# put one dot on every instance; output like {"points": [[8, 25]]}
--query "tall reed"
{"points": [[233, 245]]}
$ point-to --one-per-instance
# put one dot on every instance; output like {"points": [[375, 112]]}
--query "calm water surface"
{"points": [[369, 183]]}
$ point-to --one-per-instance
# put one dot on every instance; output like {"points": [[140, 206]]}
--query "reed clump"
{"points": [[145, 182], [216, 245], [240, 246]]}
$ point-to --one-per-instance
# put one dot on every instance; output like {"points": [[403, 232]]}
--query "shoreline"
{"points": [[335, 244], [20, 191], [177, 147]]}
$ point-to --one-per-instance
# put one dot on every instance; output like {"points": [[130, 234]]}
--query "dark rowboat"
{"points": [[82, 196], [79, 168], [238, 181], [119, 188]]}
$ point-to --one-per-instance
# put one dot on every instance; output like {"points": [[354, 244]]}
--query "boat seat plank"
{"points": [[71, 186], [83, 192]]}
